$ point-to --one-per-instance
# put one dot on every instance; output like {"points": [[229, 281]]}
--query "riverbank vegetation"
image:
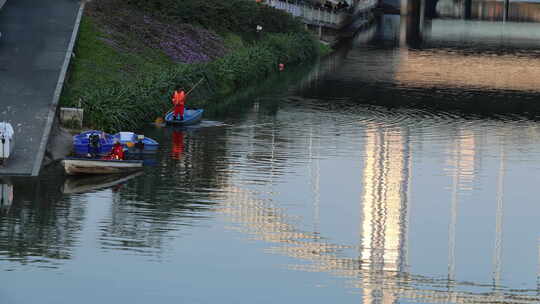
{"points": [[132, 53]]}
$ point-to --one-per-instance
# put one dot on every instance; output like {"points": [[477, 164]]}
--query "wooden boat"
{"points": [[191, 117], [75, 166]]}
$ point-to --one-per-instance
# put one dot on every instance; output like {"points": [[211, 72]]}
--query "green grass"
{"points": [[233, 41], [97, 64]]}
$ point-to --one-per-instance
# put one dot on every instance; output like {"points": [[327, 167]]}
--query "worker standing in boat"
{"points": [[179, 101]]}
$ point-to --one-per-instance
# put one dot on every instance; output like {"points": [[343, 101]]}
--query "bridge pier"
{"points": [[506, 9], [466, 9], [412, 20], [411, 7]]}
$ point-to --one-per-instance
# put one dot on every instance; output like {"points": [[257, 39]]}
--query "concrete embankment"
{"points": [[35, 50]]}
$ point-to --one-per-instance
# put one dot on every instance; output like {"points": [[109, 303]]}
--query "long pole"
{"points": [[193, 88], [3, 142]]}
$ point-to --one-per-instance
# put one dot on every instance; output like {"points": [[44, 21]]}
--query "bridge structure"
{"points": [[463, 9], [328, 21], [323, 16]]}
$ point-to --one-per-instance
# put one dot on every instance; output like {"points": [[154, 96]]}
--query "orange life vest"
{"points": [[179, 98]]}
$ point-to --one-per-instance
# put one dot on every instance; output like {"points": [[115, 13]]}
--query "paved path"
{"points": [[35, 38]]}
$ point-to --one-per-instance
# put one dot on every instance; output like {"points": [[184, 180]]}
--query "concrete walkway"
{"points": [[33, 46]]}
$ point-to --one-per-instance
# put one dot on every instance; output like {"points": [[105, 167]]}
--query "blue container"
{"points": [[83, 146]]}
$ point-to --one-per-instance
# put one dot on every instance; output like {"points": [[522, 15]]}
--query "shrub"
{"points": [[124, 107]]}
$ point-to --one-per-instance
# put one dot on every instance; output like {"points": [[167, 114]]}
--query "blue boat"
{"points": [[136, 143], [100, 143], [191, 117], [92, 142]]}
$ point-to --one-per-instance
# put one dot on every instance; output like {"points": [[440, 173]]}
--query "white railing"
{"points": [[311, 14], [365, 5]]}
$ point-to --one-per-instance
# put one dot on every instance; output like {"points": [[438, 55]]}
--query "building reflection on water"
{"points": [[384, 210], [381, 269]]}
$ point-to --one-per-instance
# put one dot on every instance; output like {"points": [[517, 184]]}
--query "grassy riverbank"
{"points": [[131, 54]]}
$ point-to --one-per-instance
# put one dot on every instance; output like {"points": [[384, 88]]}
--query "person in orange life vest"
{"points": [[117, 152], [179, 100]]}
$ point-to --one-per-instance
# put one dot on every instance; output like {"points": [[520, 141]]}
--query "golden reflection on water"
{"points": [[384, 201], [384, 208], [433, 68]]}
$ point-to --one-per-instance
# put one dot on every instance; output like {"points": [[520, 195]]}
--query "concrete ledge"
{"points": [[58, 91], [71, 117]]}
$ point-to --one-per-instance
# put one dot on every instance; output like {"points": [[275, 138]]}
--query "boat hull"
{"points": [[76, 166], [191, 117]]}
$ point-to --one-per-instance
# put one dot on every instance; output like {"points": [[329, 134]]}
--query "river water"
{"points": [[404, 168]]}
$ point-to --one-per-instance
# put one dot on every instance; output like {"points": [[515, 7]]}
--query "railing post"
{"points": [[320, 25]]}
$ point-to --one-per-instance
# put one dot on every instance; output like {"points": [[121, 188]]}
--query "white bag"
{"points": [[6, 140]]}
